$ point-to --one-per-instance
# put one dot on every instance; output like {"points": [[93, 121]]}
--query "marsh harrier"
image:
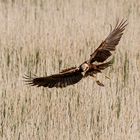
{"points": [[73, 75]]}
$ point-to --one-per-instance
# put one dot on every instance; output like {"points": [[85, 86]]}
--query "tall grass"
{"points": [[43, 37]]}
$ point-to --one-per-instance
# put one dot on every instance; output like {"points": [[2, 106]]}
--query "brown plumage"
{"points": [[73, 75], [109, 44], [62, 79]]}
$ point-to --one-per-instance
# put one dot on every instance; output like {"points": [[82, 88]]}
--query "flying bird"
{"points": [[73, 75]]}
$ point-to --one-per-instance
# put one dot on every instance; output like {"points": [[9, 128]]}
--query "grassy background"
{"points": [[43, 37]]}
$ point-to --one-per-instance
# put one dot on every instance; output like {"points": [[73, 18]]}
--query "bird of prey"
{"points": [[73, 75]]}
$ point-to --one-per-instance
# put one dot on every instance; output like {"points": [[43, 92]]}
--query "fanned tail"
{"points": [[105, 65]]}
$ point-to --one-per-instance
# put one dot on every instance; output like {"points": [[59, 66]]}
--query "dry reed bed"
{"points": [[43, 37]]}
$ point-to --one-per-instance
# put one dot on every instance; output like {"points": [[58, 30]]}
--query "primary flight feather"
{"points": [[73, 75]]}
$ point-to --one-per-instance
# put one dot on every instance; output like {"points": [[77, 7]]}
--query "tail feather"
{"points": [[105, 65]]}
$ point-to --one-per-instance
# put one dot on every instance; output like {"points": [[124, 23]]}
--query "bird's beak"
{"points": [[87, 69]]}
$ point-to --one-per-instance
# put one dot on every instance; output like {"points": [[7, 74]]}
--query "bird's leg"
{"points": [[106, 76], [97, 81]]}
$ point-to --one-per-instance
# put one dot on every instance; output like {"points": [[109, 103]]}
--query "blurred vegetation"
{"points": [[42, 37]]}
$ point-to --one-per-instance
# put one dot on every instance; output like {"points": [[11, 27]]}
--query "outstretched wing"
{"points": [[62, 79], [109, 44]]}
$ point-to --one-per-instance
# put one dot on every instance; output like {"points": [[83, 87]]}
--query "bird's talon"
{"points": [[99, 83]]}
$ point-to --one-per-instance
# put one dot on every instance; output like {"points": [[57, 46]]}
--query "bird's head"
{"points": [[84, 67]]}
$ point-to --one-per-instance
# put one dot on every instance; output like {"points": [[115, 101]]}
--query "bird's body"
{"points": [[73, 75]]}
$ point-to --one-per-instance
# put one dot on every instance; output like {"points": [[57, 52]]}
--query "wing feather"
{"points": [[57, 80], [109, 44]]}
